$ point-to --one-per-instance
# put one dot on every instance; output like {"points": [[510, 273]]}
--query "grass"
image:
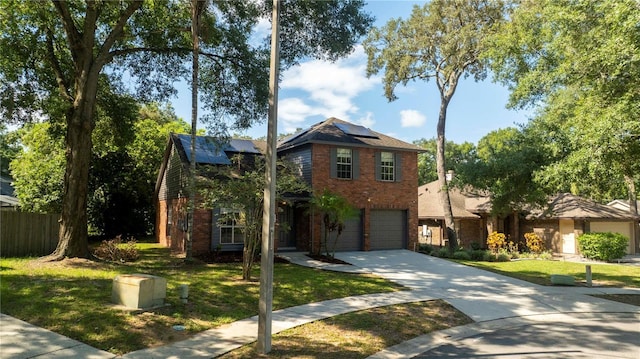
{"points": [[538, 271], [73, 297], [359, 334]]}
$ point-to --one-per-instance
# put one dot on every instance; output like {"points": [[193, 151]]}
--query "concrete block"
{"points": [[561, 279], [139, 291]]}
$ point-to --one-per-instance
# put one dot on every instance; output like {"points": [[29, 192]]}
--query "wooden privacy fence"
{"points": [[28, 234]]}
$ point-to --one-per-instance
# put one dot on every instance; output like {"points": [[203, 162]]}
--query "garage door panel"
{"points": [[388, 229], [351, 237]]}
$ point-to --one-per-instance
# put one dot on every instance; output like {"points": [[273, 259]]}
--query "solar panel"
{"points": [[294, 136], [355, 130], [207, 151], [242, 146]]}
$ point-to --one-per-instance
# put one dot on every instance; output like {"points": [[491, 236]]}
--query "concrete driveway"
{"points": [[513, 318]]}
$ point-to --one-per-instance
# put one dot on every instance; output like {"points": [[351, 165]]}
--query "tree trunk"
{"points": [[442, 180], [72, 240], [633, 196]]}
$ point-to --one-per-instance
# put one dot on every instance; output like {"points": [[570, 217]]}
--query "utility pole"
{"points": [[269, 212]]}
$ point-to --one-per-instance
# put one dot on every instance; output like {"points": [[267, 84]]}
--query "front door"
{"points": [[568, 236], [286, 228]]}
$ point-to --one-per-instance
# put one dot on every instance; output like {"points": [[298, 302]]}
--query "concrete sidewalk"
{"points": [[491, 300]]}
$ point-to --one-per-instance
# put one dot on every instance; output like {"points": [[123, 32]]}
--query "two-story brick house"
{"points": [[376, 173]]}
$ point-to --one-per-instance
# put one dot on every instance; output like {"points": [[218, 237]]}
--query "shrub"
{"points": [[503, 257], [488, 257], [462, 255], [546, 255], [116, 251], [495, 241], [442, 253], [535, 244], [475, 246], [425, 248], [478, 254], [603, 246]]}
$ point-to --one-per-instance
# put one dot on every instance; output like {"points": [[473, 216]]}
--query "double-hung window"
{"points": [[387, 166], [231, 223], [344, 163]]}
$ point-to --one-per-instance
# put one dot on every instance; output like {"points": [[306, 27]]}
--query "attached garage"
{"points": [[351, 237], [624, 228], [388, 229]]}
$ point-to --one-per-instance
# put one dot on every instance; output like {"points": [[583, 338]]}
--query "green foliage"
{"points": [[442, 253], [9, 148], [496, 241], [457, 155], [115, 250], [577, 61], [603, 246], [335, 210], [122, 175], [478, 254], [38, 169], [425, 248], [535, 244], [506, 162], [241, 186], [461, 255], [503, 257]]}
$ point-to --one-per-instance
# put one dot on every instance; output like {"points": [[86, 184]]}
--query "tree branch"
{"points": [[105, 55], [63, 84], [185, 50], [75, 41]]}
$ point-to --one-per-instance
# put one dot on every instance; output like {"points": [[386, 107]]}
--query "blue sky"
{"points": [[316, 90]]}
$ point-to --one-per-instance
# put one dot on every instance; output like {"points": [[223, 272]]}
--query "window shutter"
{"points": [[398, 167], [333, 166], [355, 165], [377, 166]]}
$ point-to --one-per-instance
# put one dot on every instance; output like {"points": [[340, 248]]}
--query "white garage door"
{"points": [[388, 229], [623, 228], [350, 239]]}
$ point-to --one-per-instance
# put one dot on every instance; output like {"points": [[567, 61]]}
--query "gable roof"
{"points": [[336, 131], [567, 205], [430, 204]]}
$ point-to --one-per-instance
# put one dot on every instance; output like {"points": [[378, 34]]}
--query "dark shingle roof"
{"points": [[210, 151], [336, 131]]}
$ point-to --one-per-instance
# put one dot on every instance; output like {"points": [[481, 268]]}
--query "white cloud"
{"points": [[329, 88], [412, 118], [367, 120]]}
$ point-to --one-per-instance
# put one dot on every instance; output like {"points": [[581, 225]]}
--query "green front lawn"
{"points": [[538, 271], [73, 297]]}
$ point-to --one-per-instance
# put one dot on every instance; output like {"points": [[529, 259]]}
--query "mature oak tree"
{"points": [[56, 54], [441, 41], [578, 62]]}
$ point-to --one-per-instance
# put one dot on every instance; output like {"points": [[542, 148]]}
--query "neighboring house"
{"points": [[172, 194], [559, 224], [376, 173], [8, 199], [623, 204], [568, 216]]}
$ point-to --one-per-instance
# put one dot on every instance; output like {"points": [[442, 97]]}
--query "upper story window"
{"points": [[387, 166], [344, 163]]}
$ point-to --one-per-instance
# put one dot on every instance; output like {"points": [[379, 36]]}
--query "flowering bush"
{"points": [[534, 243], [495, 241]]}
